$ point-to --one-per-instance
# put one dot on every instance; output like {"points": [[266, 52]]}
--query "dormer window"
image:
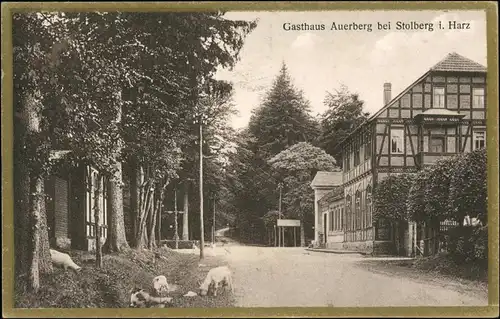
{"points": [[438, 100]]}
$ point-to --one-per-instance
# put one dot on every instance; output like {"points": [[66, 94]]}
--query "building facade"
{"points": [[70, 207], [441, 114]]}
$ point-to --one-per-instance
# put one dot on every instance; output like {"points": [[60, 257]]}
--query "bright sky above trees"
{"points": [[320, 61]]}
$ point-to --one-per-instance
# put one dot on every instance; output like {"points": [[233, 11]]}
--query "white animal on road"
{"points": [[139, 298], [160, 284], [215, 277], [63, 260]]}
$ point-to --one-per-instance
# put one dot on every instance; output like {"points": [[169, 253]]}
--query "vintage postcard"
{"points": [[250, 159]]}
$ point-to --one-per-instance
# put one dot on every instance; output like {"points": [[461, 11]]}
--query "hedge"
{"points": [[415, 202], [468, 244], [437, 189], [468, 187], [389, 197]]}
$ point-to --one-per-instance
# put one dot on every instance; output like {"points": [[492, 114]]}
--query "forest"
{"points": [[131, 94]]}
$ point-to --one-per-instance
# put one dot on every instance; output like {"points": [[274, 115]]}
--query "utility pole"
{"points": [[202, 232]]}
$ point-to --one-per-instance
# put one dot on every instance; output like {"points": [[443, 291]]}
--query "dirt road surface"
{"points": [[294, 277]]}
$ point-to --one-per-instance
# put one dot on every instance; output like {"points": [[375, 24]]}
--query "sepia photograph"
{"points": [[249, 158]]}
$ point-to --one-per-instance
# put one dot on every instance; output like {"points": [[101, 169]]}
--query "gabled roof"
{"points": [[455, 62], [327, 179]]}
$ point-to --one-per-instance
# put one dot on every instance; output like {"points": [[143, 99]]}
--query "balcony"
{"points": [[439, 116]]}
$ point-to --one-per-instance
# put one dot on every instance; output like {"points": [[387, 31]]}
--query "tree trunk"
{"points": [[143, 210], [45, 262], [97, 200], [137, 192], [22, 202], [37, 198], [38, 256], [152, 220], [116, 241], [134, 201]]}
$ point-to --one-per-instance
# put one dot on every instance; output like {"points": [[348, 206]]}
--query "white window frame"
{"points": [[477, 137], [438, 100], [478, 99], [397, 134]]}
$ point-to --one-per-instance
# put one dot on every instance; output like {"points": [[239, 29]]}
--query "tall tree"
{"points": [[297, 165], [343, 115], [36, 53], [283, 119]]}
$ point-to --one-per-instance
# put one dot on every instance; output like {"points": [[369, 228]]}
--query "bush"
{"points": [[415, 202], [468, 244], [389, 197], [436, 189], [468, 188]]}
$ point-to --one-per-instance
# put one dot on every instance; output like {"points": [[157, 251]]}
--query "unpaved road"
{"points": [[294, 277]]}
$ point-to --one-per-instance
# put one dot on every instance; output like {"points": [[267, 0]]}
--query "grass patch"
{"points": [[443, 264], [440, 265], [109, 286]]}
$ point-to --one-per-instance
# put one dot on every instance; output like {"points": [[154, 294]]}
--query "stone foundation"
{"points": [[365, 247]]}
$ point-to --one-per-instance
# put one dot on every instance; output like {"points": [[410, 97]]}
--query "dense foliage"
{"points": [[390, 195], [468, 187], [343, 115], [114, 87], [297, 166]]}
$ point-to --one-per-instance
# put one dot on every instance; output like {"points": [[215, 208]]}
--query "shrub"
{"points": [[389, 197], [468, 244], [436, 189], [468, 188], [415, 202]]}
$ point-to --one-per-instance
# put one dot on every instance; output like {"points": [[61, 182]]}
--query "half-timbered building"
{"points": [[441, 114]]}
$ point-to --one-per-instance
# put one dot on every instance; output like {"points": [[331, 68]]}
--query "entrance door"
{"points": [[325, 227]]}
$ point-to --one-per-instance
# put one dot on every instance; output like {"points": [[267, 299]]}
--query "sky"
{"points": [[320, 61]]}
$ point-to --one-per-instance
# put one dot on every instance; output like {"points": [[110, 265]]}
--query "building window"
{"points": [[348, 163], [479, 139], [368, 149], [397, 136], [356, 157], [348, 212], [478, 98], [436, 145], [331, 220], [368, 204], [438, 97], [358, 210], [91, 184]]}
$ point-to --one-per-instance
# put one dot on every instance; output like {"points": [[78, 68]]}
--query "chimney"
{"points": [[387, 93]]}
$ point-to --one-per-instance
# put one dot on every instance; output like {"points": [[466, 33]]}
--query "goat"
{"points": [[139, 298], [160, 285], [216, 276], [63, 260]]}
